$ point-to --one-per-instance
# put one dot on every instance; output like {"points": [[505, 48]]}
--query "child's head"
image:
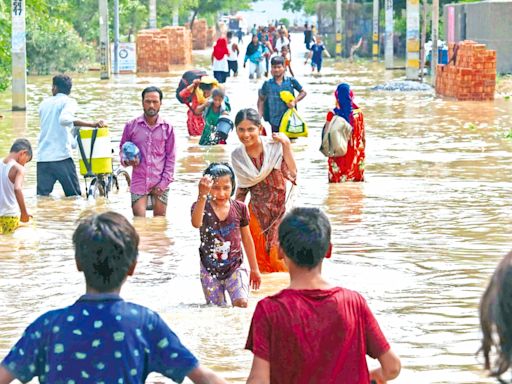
{"points": [[223, 180], [305, 237], [284, 51], [23, 151], [318, 39], [248, 126], [495, 315], [206, 85], [218, 97], [106, 248]]}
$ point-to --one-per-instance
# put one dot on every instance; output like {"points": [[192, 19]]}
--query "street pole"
{"points": [[104, 41], [375, 47], [339, 30], [19, 56], [116, 37], [435, 36], [152, 14], [412, 62], [388, 48], [423, 38], [176, 14]]}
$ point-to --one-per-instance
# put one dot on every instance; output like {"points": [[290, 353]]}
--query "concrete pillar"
{"points": [[176, 14], [116, 38], [435, 36], [104, 41], [375, 46], [19, 56], [152, 14], [339, 30], [412, 62], [388, 48]]}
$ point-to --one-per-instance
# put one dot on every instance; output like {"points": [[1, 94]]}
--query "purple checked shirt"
{"points": [[158, 154]]}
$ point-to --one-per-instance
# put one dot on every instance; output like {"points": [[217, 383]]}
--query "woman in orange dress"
{"points": [[349, 167], [262, 165]]}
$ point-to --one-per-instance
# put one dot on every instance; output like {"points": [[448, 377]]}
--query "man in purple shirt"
{"points": [[153, 173]]}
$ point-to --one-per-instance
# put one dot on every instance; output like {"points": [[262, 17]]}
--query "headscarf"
{"points": [[344, 102], [221, 48], [251, 48]]}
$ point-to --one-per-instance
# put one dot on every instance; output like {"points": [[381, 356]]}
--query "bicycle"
{"points": [[103, 182]]}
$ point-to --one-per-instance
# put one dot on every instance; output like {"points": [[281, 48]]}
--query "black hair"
{"points": [[305, 236], [106, 246], [495, 314], [229, 34], [21, 145], [63, 84], [152, 89], [248, 114], [218, 92], [205, 86], [277, 60], [221, 169]]}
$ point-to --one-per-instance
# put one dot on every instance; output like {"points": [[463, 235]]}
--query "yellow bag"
{"points": [[292, 125]]}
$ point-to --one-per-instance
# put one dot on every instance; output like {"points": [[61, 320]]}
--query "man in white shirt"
{"points": [[282, 41], [54, 155]]}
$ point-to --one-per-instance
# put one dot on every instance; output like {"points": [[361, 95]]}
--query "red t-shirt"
{"points": [[316, 336]]}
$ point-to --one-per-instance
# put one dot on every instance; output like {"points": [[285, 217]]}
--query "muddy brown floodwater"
{"points": [[418, 239]]}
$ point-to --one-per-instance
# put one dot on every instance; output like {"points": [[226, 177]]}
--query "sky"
{"points": [[264, 11]]}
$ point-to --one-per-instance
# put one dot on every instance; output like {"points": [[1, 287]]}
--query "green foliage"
{"points": [[285, 22], [5, 46], [54, 46]]}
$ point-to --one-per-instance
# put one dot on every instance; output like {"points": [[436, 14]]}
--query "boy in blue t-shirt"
{"points": [[315, 54], [101, 338]]}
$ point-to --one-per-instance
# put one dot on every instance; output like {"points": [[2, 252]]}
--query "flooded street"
{"points": [[419, 239]]}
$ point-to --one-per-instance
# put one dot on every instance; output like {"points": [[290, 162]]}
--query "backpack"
{"points": [[187, 79], [335, 137]]}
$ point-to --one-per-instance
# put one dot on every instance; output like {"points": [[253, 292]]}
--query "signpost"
{"points": [[127, 58], [19, 56], [152, 14]]}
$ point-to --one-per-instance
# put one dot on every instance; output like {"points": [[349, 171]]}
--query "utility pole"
{"points": [[423, 38], [116, 37], [19, 56], [412, 62], [388, 48], [152, 14], [435, 36], [176, 14], [339, 30], [375, 47], [104, 41]]}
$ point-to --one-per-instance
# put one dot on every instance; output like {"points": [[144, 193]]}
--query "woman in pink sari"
{"points": [[349, 167]]}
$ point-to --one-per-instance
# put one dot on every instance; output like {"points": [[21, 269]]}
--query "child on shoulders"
{"points": [[12, 174], [224, 228], [314, 332], [102, 338]]}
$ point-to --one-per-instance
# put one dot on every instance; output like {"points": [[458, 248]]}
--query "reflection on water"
{"points": [[418, 239]]}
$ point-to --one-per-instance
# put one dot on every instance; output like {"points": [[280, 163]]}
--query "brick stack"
{"points": [[180, 40], [472, 77], [157, 49], [199, 34], [153, 51]]}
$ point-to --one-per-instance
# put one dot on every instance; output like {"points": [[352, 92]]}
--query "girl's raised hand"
{"points": [[280, 137], [205, 185]]}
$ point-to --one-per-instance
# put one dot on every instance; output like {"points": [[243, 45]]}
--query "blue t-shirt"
{"points": [[317, 50], [274, 106], [99, 339]]}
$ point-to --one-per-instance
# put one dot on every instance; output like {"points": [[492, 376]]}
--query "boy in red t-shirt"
{"points": [[313, 332]]}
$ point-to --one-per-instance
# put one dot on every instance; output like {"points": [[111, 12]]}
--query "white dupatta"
{"points": [[246, 172]]}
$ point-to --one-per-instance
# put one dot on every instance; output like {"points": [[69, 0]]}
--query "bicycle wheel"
{"points": [[122, 180], [96, 188]]}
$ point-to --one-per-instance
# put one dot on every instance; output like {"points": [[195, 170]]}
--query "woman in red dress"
{"points": [[349, 167]]}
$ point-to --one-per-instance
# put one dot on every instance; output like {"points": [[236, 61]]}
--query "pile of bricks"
{"points": [[180, 39], [471, 76], [199, 34], [157, 49]]}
